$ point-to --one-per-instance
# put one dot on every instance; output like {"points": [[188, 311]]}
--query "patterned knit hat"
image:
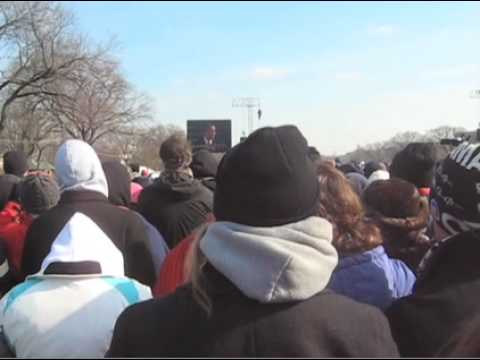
{"points": [[38, 194], [456, 191]]}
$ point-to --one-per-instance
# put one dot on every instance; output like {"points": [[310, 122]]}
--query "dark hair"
{"points": [[15, 162], [135, 167], [400, 212], [340, 204], [349, 168], [416, 164], [176, 152]]}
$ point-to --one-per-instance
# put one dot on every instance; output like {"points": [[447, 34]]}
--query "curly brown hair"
{"points": [[340, 204]]}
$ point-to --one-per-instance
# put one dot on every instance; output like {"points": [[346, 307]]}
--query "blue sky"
{"points": [[346, 73]]}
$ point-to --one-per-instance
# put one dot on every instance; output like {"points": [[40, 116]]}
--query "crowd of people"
{"points": [[272, 251]]}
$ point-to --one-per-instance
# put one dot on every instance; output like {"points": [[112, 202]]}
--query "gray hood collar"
{"points": [[276, 264]]}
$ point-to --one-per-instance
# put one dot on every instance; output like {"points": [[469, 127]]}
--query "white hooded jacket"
{"points": [[79, 168], [70, 307]]}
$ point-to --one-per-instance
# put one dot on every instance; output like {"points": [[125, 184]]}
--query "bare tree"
{"points": [[444, 132], [138, 144], [30, 127], [39, 47], [95, 100]]}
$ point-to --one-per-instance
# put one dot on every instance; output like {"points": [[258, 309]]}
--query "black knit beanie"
{"points": [[15, 163], [38, 193], [267, 180], [416, 164]]}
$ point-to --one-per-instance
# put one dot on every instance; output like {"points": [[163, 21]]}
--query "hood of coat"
{"points": [[273, 265], [118, 179], [183, 188], [83, 249], [78, 168]]}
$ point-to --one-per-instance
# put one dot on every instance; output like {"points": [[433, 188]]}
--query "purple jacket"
{"points": [[373, 278]]}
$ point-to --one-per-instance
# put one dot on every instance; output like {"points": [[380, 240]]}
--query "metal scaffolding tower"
{"points": [[249, 103]]}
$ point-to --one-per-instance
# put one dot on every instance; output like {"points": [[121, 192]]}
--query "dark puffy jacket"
{"points": [[119, 194], [445, 296], [176, 209]]}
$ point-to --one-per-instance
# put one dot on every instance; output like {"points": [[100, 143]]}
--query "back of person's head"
{"points": [[38, 193], [349, 168], [372, 166], [358, 182], [204, 164], [176, 152], [395, 198], [78, 168], [402, 215], [340, 204], [15, 163], [267, 180], [416, 164], [118, 180], [455, 194], [378, 175]]}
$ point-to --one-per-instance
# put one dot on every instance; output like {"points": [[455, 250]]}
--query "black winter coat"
{"points": [[176, 210], [124, 227], [447, 294], [326, 325]]}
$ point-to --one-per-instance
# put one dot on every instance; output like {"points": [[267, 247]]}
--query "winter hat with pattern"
{"points": [[456, 191], [38, 193]]}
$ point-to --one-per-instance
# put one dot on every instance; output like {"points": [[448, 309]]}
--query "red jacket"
{"points": [[14, 224], [172, 274]]}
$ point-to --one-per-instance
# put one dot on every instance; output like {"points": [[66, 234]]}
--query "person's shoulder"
{"points": [[159, 312], [153, 191], [48, 216], [340, 306], [201, 190]]}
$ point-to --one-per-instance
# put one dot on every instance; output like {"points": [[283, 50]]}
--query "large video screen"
{"points": [[215, 135]]}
